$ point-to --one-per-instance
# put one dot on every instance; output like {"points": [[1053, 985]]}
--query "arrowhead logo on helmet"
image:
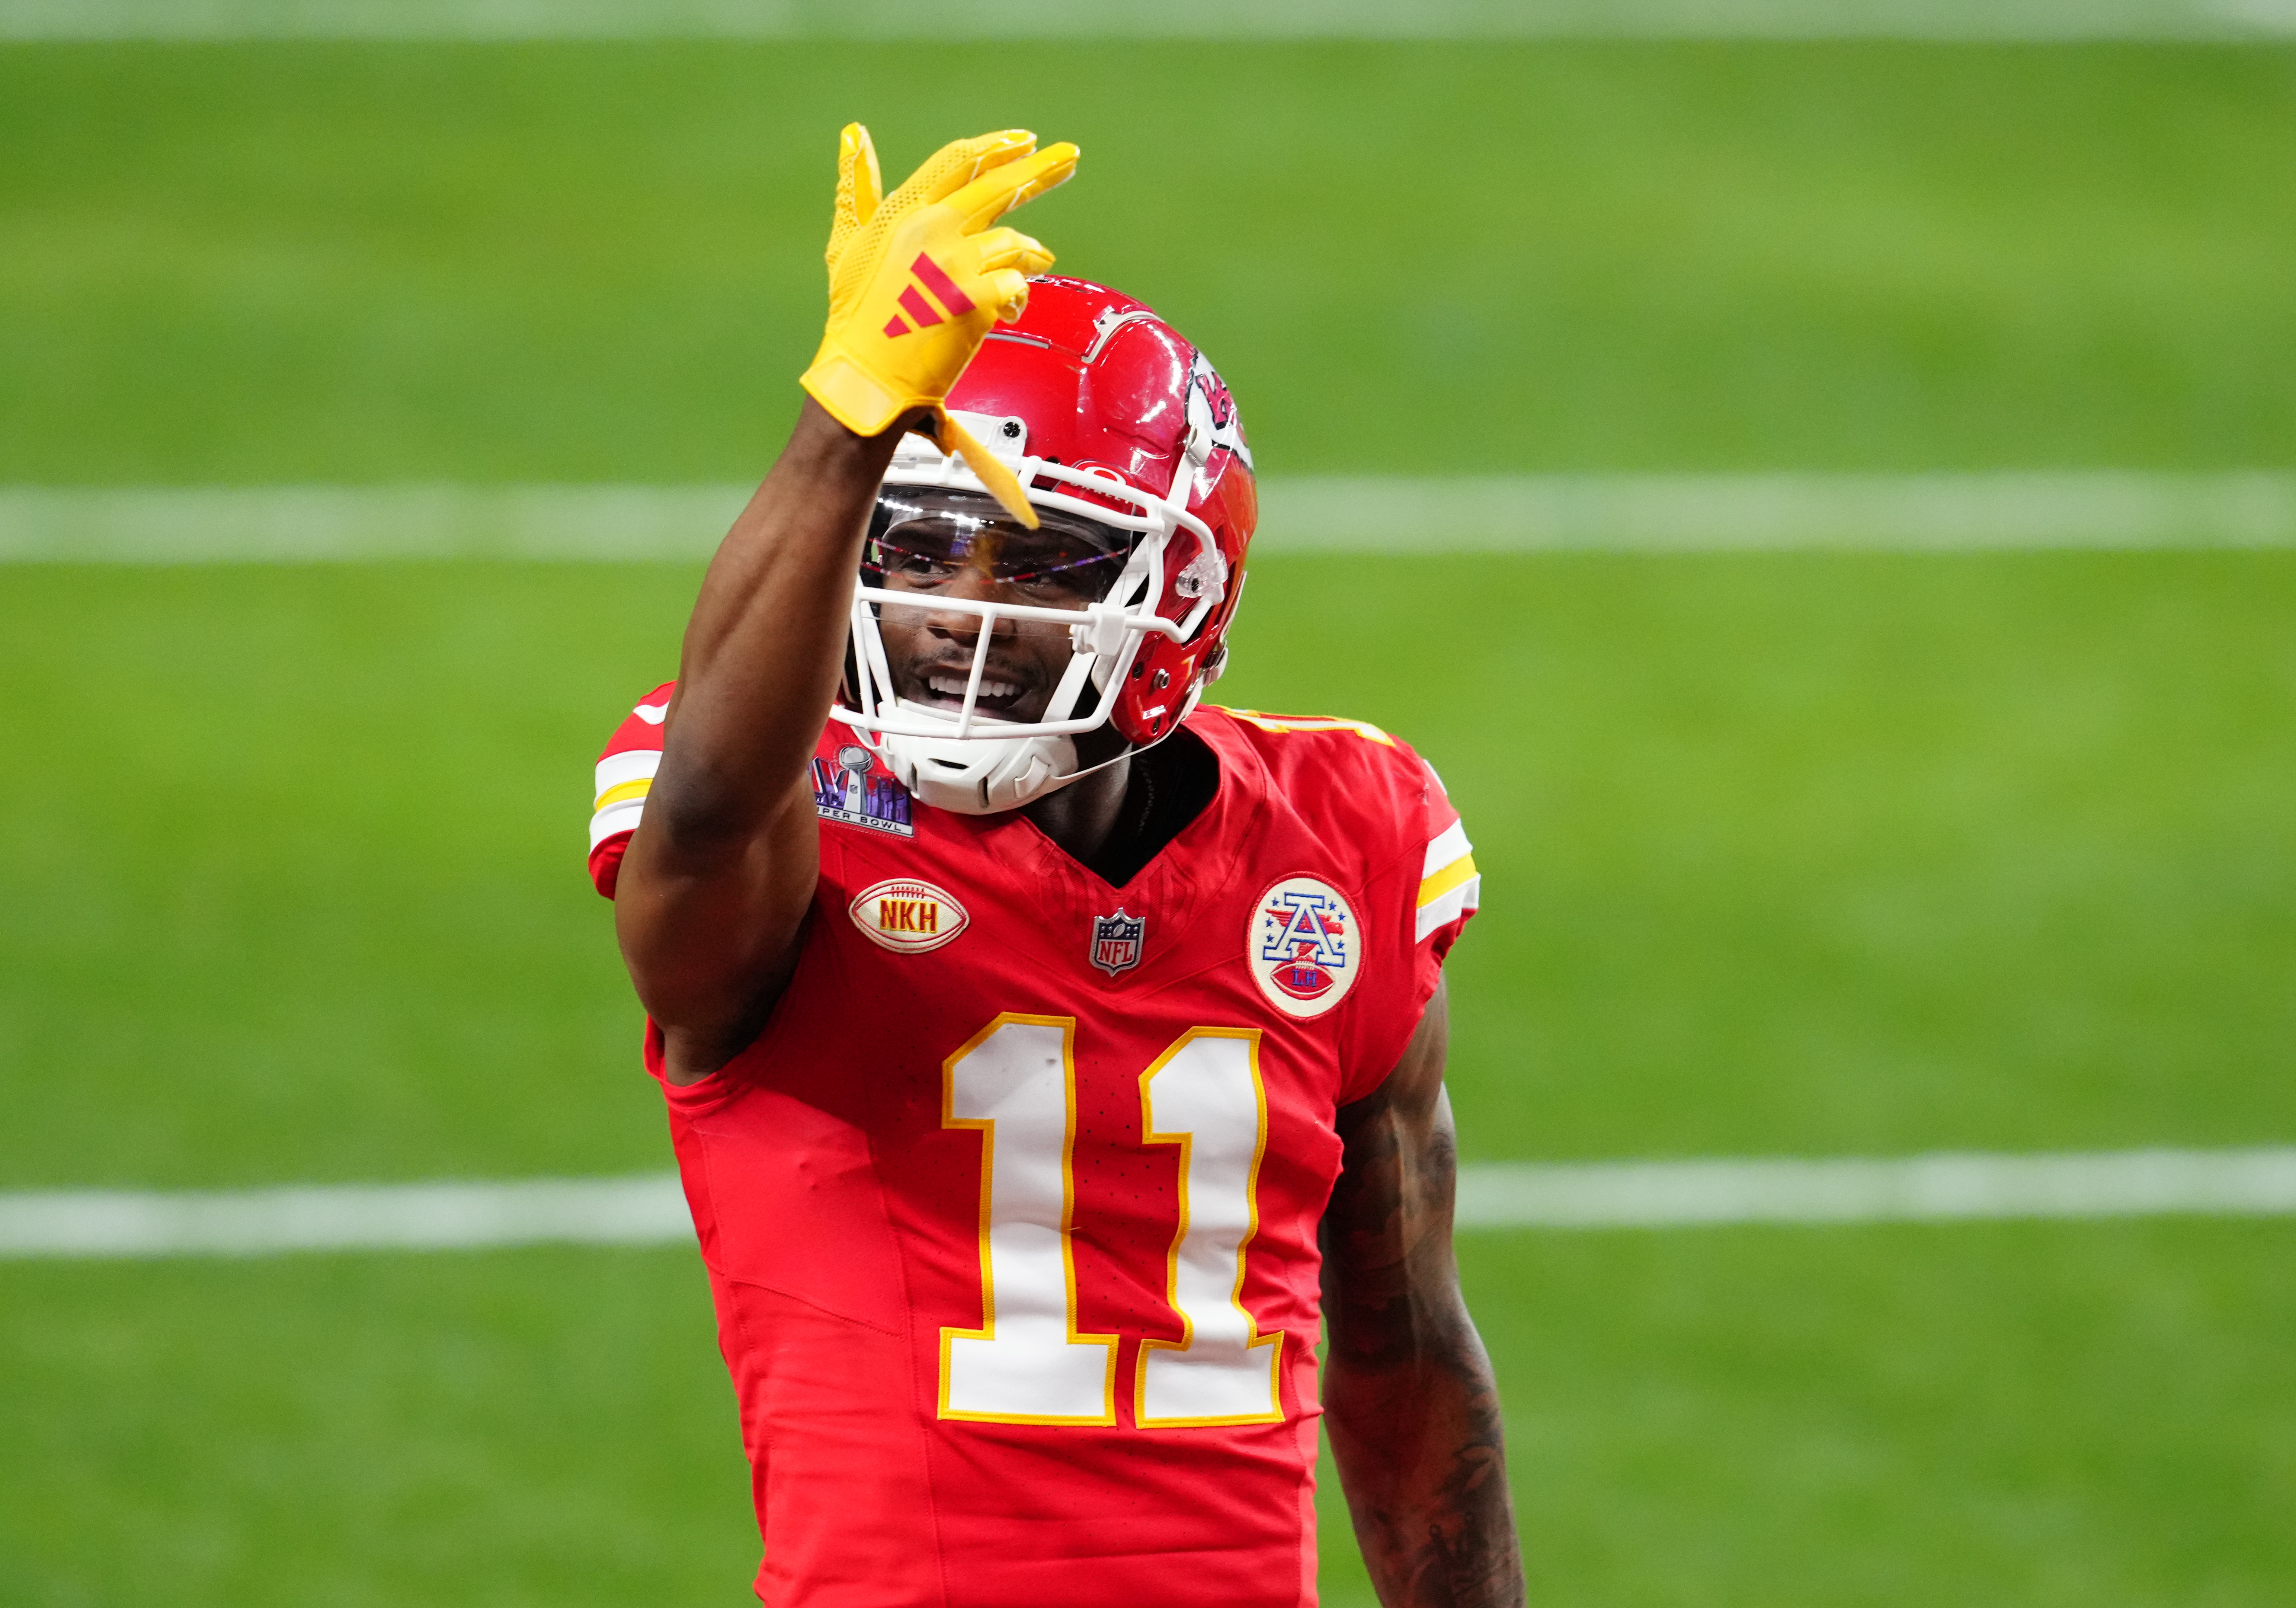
{"points": [[1112, 416]]}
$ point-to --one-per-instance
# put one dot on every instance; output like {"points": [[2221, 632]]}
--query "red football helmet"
{"points": [[1108, 417]]}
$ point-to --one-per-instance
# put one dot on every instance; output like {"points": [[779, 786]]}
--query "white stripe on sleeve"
{"points": [[617, 817], [638, 764], [1448, 908], [1450, 844]]}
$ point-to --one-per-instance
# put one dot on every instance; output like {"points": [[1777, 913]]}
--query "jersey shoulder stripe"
{"points": [[1374, 782], [623, 778], [1449, 885], [1282, 725]]}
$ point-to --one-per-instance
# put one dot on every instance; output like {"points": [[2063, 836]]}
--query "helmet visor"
{"points": [[952, 544]]}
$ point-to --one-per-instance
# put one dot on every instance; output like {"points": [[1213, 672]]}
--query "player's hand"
{"points": [[917, 278]]}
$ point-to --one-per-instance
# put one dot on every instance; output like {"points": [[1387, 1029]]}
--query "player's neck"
{"points": [[1084, 815], [1114, 820]]}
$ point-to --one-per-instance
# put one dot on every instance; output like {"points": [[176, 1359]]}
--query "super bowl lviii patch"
{"points": [[855, 793], [907, 916], [1303, 950]]}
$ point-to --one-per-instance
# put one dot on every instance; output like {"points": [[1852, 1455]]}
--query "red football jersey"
{"points": [[1011, 1212]]}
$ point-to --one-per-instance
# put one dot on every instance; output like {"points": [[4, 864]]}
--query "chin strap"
{"points": [[909, 759]]}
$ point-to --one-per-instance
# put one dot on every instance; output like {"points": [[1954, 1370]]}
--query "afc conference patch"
{"points": [[1116, 940], [1303, 949]]}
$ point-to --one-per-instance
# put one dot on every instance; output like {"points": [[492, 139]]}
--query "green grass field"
{"points": [[1784, 854], [602, 262]]}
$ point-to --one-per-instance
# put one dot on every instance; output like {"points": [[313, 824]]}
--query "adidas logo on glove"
{"points": [[912, 301]]}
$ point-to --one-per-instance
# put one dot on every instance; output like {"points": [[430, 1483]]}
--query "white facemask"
{"points": [[973, 762]]}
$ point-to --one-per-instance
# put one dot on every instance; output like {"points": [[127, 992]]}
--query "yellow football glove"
{"points": [[917, 277]]}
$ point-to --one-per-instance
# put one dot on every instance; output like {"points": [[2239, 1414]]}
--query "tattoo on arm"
{"points": [[1411, 1404]]}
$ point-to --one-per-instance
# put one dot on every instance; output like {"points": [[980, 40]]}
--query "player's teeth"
{"points": [[953, 686]]}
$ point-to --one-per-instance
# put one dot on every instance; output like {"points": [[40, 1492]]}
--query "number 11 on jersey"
{"points": [[1015, 1081], [1204, 1094]]}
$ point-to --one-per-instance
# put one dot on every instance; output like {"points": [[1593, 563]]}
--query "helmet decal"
{"points": [[1211, 408]]}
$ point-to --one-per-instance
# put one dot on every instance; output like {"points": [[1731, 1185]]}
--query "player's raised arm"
{"points": [[713, 888], [1409, 1400]]}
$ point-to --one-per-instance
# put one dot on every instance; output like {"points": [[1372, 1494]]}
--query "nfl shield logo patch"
{"points": [[1116, 941]]}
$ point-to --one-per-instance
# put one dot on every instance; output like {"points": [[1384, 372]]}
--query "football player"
{"points": [[1051, 1059]]}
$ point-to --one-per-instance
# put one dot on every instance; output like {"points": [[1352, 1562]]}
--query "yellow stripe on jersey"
{"points": [[1280, 723], [627, 790], [1436, 886]]}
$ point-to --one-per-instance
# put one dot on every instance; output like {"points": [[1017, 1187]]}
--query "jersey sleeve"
{"points": [[625, 775], [1450, 888], [1422, 895]]}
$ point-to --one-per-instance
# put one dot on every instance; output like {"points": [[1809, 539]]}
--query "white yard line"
{"points": [[323, 524], [1493, 1195], [357, 1217], [2097, 511], [1689, 513], [1928, 1188], [2034, 20]]}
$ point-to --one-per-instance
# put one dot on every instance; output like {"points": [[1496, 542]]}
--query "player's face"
{"points": [[944, 548]]}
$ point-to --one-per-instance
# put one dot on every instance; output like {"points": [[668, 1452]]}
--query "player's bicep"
{"points": [[710, 923], [1387, 1233]]}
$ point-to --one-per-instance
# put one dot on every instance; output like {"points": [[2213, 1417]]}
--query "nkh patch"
{"points": [[907, 916], [1303, 947], [848, 792], [1117, 941]]}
